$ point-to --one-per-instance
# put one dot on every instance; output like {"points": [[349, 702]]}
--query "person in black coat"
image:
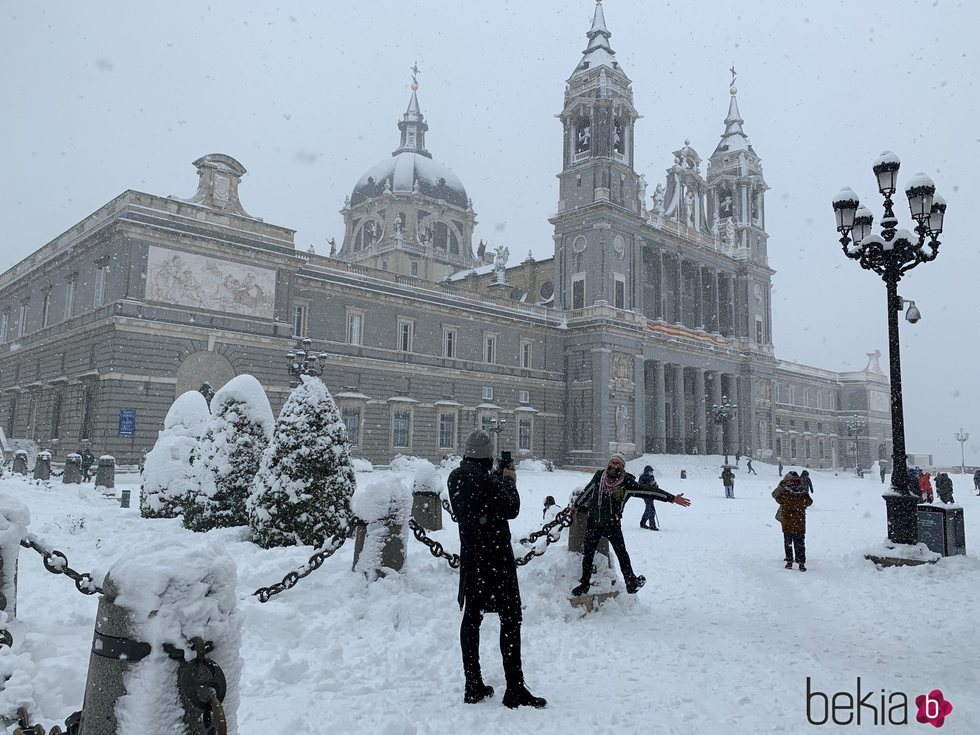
{"points": [[603, 499], [88, 459], [805, 482], [649, 519], [484, 502]]}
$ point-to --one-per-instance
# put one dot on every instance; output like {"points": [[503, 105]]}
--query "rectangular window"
{"points": [[806, 445], [449, 339], [619, 291], [759, 336], [488, 393], [4, 326], [413, 268], [524, 433], [70, 297], [819, 428], [578, 291], [806, 426], [56, 416], [46, 309], [351, 416], [299, 320], [792, 395], [765, 441], [101, 285], [525, 353], [447, 430], [806, 396], [779, 447], [405, 333], [490, 348], [25, 307], [401, 423], [355, 328], [523, 396], [792, 448]]}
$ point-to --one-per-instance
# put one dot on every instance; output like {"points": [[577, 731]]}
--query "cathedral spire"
{"points": [[598, 51], [413, 125], [734, 138]]}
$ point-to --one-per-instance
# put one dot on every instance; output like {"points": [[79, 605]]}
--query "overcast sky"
{"points": [[108, 96]]}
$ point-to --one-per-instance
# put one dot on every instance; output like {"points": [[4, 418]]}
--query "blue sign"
{"points": [[127, 421]]}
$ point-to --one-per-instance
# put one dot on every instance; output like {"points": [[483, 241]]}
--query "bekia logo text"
{"points": [[873, 707]]}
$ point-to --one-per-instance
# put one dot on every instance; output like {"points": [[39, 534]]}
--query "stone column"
{"points": [[716, 435], [679, 292], [680, 419], [699, 411], [717, 301], [660, 284], [699, 298], [659, 418]]}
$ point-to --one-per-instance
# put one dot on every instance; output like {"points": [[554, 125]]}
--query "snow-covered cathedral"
{"points": [[654, 309]]}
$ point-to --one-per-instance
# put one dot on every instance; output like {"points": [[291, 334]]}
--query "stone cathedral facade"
{"points": [[655, 307]]}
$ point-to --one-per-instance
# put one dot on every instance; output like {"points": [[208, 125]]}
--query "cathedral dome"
{"points": [[407, 171]]}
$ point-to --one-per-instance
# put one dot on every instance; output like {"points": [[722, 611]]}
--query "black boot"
{"points": [[477, 691], [634, 583], [581, 589], [517, 695]]}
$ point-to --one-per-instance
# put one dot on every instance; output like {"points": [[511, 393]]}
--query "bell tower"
{"points": [[600, 196]]}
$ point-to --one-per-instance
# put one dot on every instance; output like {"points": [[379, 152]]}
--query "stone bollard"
{"points": [[380, 546], [14, 521], [20, 462], [683, 474], [143, 673], [576, 536], [124, 497], [73, 470], [42, 466], [427, 510], [105, 475]]}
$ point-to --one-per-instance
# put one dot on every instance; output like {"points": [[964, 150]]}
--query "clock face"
{"points": [[757, 292]]}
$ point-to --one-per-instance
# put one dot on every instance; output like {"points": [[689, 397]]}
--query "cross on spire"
{"points": [[732, 70], [415, 72]]}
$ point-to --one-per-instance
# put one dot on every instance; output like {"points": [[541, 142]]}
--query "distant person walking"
{"points": [[647, 480], [925, 487], [748, 465], [88, 459], [728, 480], [882, 471], [780, 470], [976, 481], [793, 501], [944, 488], [806, 482]]}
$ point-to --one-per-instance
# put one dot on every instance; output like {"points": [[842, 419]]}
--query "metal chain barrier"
{"points": [[315, 562], [203, 683], [449, 510], [57, 563], [563, 519], [434, 546], [72, 725]]}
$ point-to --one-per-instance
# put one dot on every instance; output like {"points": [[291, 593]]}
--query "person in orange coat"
{"points": [[925, 487], [793, 501]]}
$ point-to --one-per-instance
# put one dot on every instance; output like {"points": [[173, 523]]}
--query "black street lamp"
{"points": [[855, 427], [304, 362], [892, 254], [721, 415]]}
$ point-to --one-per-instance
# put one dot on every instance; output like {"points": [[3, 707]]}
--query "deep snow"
{"points": [[721, 639]]}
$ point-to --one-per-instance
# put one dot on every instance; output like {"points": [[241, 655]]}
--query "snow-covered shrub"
{"points": [[450, 462], [167, 472], [302, 491], [385, 505], [405, 463], [361, 465], [534, 464], [228, 454]]}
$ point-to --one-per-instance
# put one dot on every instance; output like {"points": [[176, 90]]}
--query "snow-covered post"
{"points": [[426, 503], [105, 475], [576, 532], [20, 462], [380, 546], [42, 466], [73, 470], [14, 520], [154, 603]]}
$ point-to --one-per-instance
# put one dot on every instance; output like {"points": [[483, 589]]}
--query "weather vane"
{"points": [[732, 70], [415, 72]]}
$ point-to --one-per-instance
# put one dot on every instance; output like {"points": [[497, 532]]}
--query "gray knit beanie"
{"points": [[479, 445], [620, 457]]}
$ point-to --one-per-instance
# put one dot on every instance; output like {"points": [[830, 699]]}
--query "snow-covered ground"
{"points": [[722, 638]]}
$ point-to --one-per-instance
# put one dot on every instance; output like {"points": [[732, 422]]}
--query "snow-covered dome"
{"points": [[402, 172]]}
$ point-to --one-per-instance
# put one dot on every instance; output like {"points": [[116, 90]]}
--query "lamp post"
{"points": [[496, 426], [721, 414], [962, 437], [891, 255], [305, 362], [855, 426]]}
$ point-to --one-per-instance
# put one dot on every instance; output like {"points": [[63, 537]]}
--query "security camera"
{"points": [[913, 314]]}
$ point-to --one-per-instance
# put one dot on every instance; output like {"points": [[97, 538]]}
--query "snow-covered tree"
{"points": [[303, 489], [167, 472], [228, 455]]}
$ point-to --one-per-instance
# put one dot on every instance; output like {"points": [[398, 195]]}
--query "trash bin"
{"points": [[941, 528]]}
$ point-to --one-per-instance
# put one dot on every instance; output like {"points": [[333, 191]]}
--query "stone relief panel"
{"points": [[186, 279], [879, 401]]}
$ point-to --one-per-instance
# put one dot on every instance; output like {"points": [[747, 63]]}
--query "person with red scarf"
{"points": [[603, 499]]}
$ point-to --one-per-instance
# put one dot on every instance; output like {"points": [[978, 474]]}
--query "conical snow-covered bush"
{"points": [[228, 455], [303, 489], [167, 473]]}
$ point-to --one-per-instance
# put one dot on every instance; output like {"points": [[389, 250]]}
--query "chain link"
{"points": [[72, 725], [57, 563], [563, 519], [449, 510], [434, 546], [315, 562]]}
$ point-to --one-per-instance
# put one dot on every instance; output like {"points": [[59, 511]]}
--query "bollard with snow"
{"points": [[14, 520], [42, 466], [124, 497], [380, 546], [20, 462], [73, 470], [105, 475], [145, 673], [426, 503], [576, 532]]}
